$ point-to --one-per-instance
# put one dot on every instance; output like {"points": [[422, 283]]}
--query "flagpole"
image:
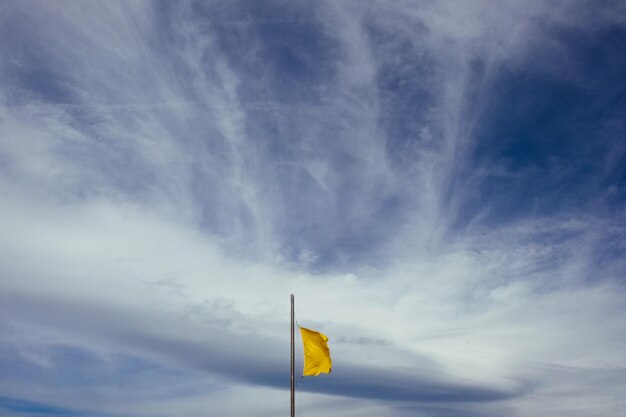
{"points": [[293, 359]]}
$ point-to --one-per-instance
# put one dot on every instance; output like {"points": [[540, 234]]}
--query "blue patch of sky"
{"points": [[279, 48], [28, 64], [407, 83], [17, 407], [551, 133]]}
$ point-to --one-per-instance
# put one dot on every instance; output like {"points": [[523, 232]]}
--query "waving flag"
{"points": [[316, 353]]}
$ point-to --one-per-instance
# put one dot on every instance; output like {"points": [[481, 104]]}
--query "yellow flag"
{"points": [[316, 353]]}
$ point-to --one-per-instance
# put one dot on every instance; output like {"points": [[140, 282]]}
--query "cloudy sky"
{"points": [[441, 184]]}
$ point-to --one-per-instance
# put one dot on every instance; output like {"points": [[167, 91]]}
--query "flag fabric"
{"points": [[316, 353]]}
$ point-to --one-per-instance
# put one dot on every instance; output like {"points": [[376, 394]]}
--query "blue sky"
{"points": [[441, 184]]}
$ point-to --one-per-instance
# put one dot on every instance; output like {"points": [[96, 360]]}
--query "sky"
{"points": [[441, 184]]}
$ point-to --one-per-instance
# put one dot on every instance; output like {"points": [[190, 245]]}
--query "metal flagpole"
{"points": [[293, 359]]}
